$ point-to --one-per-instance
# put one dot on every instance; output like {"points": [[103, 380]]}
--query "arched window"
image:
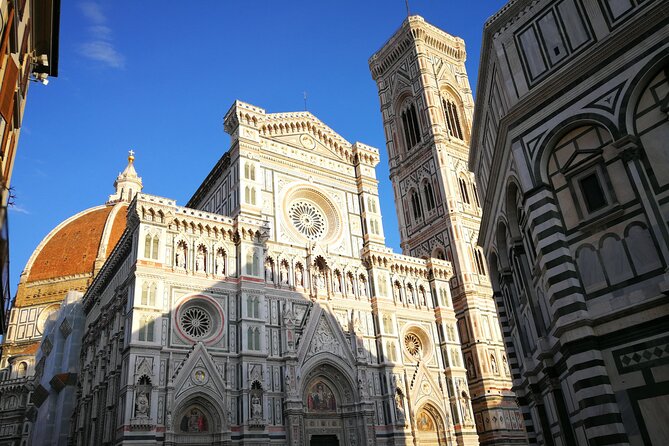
{"points": [[390, 347], [253, 196], [463, 190], [146, 325], [452, 119], [252, 262], [253, 307], [410, 126], [151, 247], [415, 205], [147, 246], [148, 294], [480, 264], [154, 250], [249, 171], [22, 369], [253, 338], [372, 204], [429, 195]]}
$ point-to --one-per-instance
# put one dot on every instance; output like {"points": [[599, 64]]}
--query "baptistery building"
{"points": [[570, 151]]}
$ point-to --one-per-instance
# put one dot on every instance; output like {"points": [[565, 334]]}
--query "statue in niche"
{"points": [[256, 407], [142, 405], [493, 365], [338, 283], [288, 382], [199, 260], [181, 256], [464, 406], [397, 293], [220, 263], [410, 295], [423, 298], [168, 420], [362, 287], [351, 287], [320, 280], [399, 407], [283, 273], [299, 276]]}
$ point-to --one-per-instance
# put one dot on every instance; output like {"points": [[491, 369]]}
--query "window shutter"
{"points": [[7, 89]]}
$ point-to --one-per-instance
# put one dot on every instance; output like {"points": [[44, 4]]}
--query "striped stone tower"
{"points": [[427, 105]]}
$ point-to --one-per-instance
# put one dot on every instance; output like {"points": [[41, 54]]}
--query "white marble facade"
{"points": [[269, 309]]}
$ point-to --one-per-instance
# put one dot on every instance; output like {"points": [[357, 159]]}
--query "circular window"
{"points": [[308, 219], [310, 214], [412, 344], [199, 318], [196, 322]]}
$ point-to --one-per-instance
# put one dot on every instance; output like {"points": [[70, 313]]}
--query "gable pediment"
{"points": [[324, 336], [198, 372], [304, 131]]}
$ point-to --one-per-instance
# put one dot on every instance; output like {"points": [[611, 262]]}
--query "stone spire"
{"points": [[127, 183]]}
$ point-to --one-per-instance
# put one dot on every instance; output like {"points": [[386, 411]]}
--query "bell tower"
{"points": [[427, 107]]}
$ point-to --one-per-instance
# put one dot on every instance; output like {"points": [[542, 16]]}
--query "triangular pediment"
{"points": [[198, 372], [324, 337], [303, 131]]}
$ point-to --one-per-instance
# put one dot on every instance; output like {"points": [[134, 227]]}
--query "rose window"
{"points": [[196, 322], [308, 219], [412, 344]]}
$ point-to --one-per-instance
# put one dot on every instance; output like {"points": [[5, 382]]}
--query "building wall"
{"points": [[569, 150]]}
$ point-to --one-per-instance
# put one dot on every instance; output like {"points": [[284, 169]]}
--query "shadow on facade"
{"points": [[291, 359]]}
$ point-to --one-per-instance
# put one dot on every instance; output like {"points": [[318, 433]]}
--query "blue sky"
{"points": [[157, 77]]}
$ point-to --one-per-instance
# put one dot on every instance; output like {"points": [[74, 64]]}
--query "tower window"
{"points": [[463, 190], [480, 263], [415, 205], [429, 195], [411, 127], [452, 119]]}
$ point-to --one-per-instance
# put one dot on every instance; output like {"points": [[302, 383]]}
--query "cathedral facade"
{"points": [[289, 323]]}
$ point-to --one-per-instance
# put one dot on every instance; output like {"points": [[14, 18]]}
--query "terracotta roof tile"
{"points": [[73, 249]]}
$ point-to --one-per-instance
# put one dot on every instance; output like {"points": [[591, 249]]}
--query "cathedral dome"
{"points": [[79, 245], [70, 256]]}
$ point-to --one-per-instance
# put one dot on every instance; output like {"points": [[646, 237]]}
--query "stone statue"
{"points": [[283, 274], [180, 257], [220, 268], [142, 405], [399, 408], [320, 281], [299, 277], [168, 420], [410, 296], [362, 288], [256, 407], [199, 261]]}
